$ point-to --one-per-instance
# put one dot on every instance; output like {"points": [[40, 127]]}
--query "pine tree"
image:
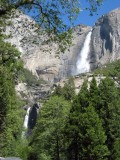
{"points": [[47, 141], [10, 114], [69, 89], [84, 135], [83, 96], [109, 112], [58, 91]]}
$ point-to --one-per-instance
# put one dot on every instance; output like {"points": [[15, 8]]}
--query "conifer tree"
{"points": [[83, 96], [109, 112], [69, 89], [47, 140], [10, 114], [84, 134], [94, 96], [58, 91]]}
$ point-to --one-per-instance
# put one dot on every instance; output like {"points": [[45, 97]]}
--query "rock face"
{"points": [[33, 116], [105, 41], [51, 67], [34, 92], [42, 60]]}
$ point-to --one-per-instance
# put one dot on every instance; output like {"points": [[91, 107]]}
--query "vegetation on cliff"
{"points": [[26, 76], [111, 70]]}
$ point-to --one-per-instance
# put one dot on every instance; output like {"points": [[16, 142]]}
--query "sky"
{"points": [[107, 6], [84, 16]]}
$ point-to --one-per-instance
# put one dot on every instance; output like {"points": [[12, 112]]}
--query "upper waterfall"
{"points": [[82, 64]]}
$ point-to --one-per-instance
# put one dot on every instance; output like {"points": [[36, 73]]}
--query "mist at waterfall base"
{"points": [[82, 64]]}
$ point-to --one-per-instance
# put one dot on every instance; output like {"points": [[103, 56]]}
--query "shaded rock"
{"points": [[105, 41], [33, 116]]}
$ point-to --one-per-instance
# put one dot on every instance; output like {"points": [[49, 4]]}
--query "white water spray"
{"points": [[25, 124], [82, 64]]}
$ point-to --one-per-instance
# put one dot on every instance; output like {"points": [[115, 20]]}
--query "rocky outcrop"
{"points": [[33, 92], [105, 41], [79, 79]]}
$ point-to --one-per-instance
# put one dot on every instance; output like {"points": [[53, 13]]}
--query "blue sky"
{"points": [[84, 16], [106, 7]]}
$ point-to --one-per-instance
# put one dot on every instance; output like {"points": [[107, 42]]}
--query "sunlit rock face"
{"points": [[103, 47], [105, 40], [42, 59], [52, 67]]}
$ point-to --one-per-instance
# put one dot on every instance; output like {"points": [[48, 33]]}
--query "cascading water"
{"points": [[82, 64], [25, 124]]}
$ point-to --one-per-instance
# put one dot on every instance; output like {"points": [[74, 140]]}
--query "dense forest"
{"points": [[84, 126], [10, 104]]}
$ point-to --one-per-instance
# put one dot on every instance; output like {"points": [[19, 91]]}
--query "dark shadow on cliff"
{"points": [[105, 31], [33, 116]]}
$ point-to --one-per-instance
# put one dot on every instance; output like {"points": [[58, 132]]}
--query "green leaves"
{"points": [[10, 114], [88, 130], [48, 135]]}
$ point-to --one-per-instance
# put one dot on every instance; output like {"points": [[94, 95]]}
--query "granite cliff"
{"points": [[42, 59], [105, 41]]}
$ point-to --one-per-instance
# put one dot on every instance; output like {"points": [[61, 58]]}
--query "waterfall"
{"points": [[82, 64], [25, 124]]}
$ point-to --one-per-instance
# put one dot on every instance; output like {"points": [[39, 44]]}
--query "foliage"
{"points": [[10, 114], [69, 89], [27, 76], [90, 130], [111, 69], [10, 110], [84, 131], [49, 13], [22, 149], [109, 111], [58, 91], [48, 135], [49, 16]]}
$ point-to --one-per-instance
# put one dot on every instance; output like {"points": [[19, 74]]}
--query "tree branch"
{"points": [[4, 10]]}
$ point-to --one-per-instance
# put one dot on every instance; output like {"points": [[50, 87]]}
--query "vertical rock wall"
{"points": [[105, 43]]}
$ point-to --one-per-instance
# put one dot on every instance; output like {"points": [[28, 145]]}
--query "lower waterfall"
{"points": [[82, 64], [25, 124]]}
